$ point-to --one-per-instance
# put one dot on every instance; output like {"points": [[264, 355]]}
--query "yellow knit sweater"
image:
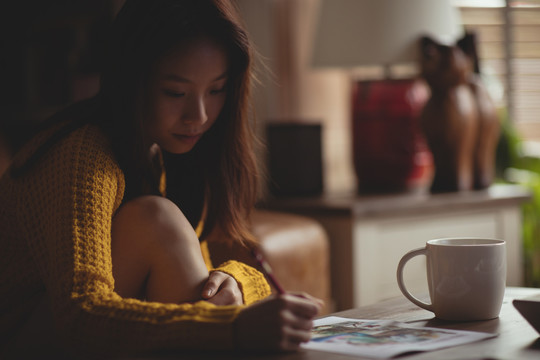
{"points": [[55, 234]]}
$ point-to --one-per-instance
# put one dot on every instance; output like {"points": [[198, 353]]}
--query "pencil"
{"points": [[267, 270]]}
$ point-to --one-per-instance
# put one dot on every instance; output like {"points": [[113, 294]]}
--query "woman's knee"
{"points": [[153, 246], [154, 221]]}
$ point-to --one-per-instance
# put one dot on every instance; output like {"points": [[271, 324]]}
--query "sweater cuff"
{"points": [[252, 283]]}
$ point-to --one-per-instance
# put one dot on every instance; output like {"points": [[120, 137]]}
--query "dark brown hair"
{"points": [[143, 32]]}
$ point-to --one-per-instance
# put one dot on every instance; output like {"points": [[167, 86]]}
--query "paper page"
{"points": [[383, 338]]}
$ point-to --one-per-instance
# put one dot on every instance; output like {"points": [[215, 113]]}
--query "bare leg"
{"points": [[155, 252]]}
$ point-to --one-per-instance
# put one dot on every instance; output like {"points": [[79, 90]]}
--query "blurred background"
{"points": [[51, 57]]}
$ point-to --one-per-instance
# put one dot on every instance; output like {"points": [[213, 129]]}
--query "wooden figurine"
{"points": [[489, 125], [459, 120]]}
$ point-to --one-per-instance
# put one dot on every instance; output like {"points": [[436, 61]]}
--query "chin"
{"points": [[175, 146], [178, 149]]}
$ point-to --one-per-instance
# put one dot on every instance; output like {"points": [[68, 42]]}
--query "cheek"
{"points": [[162, 112], [155, 119], [215, 107]]}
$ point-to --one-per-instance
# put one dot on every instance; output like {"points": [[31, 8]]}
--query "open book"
{"points": [[383, 338]]}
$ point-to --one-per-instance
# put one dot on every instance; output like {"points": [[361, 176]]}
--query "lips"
{"points": [[188, 138]]}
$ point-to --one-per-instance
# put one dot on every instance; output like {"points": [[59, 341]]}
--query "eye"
{"points": [[217, 91], [173, 94]]}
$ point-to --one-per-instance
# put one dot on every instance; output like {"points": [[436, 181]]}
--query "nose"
{"points": [[195, 111]]}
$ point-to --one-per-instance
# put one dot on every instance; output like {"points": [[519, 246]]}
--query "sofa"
{"points": [[296, 248]]}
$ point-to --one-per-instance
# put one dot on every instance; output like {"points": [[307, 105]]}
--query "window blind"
{"points": [[509, 52]]}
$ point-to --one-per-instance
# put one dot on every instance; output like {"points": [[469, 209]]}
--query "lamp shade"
{"points": [[354, 33]]}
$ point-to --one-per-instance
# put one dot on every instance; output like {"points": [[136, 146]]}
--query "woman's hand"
{"points": [[279, 322], [222, 289]]}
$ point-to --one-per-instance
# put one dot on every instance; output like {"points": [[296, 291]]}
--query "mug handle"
{"points": [[408, 256]]}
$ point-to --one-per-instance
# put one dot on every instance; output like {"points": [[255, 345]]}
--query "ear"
{"points": [[428, 47], [468, 45]]}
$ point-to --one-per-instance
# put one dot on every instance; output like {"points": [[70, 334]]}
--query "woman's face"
{"points": [[187, 94]]}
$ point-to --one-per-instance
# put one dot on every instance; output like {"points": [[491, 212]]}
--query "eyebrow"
{"points": [[178, 78]]}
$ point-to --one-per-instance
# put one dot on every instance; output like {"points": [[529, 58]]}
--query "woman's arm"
{"points": [[66, 208]]}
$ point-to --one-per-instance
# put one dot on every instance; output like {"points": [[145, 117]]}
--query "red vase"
{"points": [[390, 152]]}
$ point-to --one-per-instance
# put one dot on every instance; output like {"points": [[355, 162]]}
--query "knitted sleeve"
{"points": [[252, 283], [66, 212]]}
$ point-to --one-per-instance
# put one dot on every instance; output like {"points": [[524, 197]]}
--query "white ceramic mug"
{"points": [[466, 277]]}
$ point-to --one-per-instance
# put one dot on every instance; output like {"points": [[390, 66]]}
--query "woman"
{"points": [[98, 210]]}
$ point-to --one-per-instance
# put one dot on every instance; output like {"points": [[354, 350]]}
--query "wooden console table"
{"points": [[369, 234]]}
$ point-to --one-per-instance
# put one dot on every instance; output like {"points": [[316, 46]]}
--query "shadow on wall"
{"points": [[5, 154], [52, 56]]}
